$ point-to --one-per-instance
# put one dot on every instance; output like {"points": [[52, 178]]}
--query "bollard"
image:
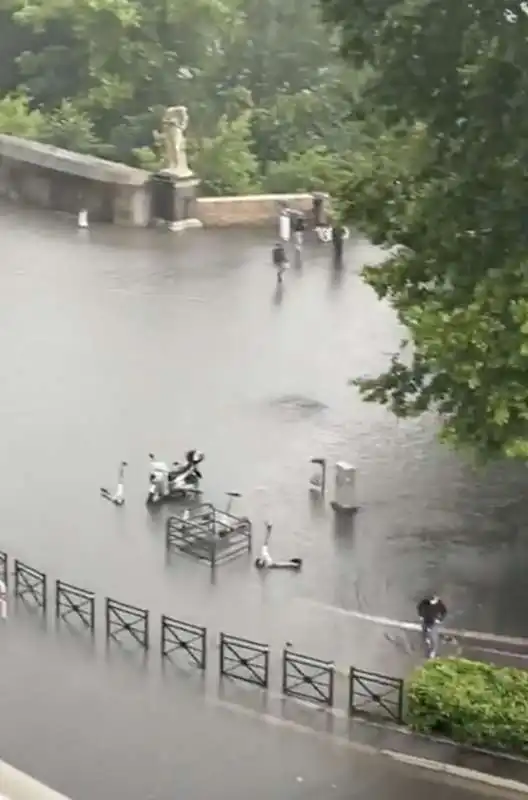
{"points": [[82, 219], [318, 480], [284, 224], [345, 499]]}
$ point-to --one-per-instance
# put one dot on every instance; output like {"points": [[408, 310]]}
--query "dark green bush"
{"points": [[471, 702]]}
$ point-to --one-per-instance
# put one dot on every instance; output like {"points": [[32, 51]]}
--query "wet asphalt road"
{"points": [[116, 343]]}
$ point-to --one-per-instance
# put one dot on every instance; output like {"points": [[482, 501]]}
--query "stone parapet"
{"points": [[247, 210]]}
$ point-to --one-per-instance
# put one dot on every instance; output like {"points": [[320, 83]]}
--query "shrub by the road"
{"points": [[471, 702]]}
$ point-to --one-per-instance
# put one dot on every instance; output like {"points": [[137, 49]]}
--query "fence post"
{"points": [[401, 703], [331, 686], [162, 636], [213, 551], [17, 577], [107, 619], [221, 654], [4, 574], [284, 670], [57, 598], [147, 631], [204, 650], [351, 692], [44, 592]]}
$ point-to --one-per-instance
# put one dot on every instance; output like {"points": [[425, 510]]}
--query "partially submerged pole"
{"points": [[318, 481]]}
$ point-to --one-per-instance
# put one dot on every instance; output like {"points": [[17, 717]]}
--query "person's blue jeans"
{"points": [[431, 635]]}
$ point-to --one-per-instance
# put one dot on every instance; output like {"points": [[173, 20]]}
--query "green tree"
{"points": [[264, 74], [18, 119], [224, 161], [446, 183], [312, 170]]}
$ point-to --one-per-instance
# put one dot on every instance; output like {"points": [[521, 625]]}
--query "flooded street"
{"points": [[114, 344]]}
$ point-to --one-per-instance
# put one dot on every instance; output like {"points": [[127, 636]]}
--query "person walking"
{"points": [[432, 612], [280, 260]]}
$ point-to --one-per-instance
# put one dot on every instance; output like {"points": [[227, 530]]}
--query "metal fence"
{"points": [[184, 637], [75, 605], [308, 678], [373, 694], [244, 660], [304, 677], [31, 586], [127, 623]]}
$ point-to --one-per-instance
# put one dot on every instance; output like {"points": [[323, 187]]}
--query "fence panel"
{"points": [[308, 678], [31, 586], [72, 601], [184, 636], [373, 694], [244, 660], [124, 621]]}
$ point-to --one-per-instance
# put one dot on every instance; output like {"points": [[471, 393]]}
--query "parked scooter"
{"points": [[176, 482]]}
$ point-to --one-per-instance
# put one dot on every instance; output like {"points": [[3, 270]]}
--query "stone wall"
{"points": [[53, 178], [50, 177], [250, 210]]}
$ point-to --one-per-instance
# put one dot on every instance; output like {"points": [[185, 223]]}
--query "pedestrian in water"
{"points": [[299, 226], [280, 261], [338, 236]]}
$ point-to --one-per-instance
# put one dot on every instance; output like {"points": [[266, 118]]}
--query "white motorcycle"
{"points": [[176, 482]]}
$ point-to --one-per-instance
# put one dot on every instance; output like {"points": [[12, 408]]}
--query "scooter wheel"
{"points": [[259, 563]]}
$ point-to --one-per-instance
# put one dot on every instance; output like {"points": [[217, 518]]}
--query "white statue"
{"points": [[174, 125]]}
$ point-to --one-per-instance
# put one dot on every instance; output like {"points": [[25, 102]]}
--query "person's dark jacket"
{"points": [[298, 223], [278, 255], [431, 612]]}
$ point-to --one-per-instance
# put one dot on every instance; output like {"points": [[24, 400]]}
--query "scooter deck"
{"points": [[179, 497], [294, 564], [109, 496]]}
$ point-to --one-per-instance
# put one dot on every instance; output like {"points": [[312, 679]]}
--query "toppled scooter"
{"points": [[117, 497], [177, 482], [265, 561]]}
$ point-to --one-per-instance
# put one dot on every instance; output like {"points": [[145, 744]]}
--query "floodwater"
{"points": [[114, 344]]}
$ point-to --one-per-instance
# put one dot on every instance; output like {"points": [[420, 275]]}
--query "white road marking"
{"points": [[478, 636]]}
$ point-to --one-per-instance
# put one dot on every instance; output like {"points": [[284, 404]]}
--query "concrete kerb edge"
{"points": [[462, 773], [459, 772], [16, 785]]}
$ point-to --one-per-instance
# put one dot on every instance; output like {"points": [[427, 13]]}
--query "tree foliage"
{"points": [[446, 182], [261, 78]]}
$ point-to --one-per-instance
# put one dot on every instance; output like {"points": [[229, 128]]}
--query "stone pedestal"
{"points": [[174, 200]]}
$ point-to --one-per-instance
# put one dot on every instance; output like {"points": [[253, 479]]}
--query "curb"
{"points": [[16, 785], [463, 773], [459, 772]]}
